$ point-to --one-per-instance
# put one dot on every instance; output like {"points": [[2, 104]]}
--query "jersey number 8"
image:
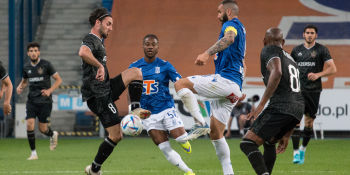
{"points": [[294, 78]]}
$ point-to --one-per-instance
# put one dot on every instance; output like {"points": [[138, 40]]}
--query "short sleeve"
{"points": [[50, 69], [229, 27], [174, 76], [326, 55], [24, 74], [269, 53], [88, 41]]}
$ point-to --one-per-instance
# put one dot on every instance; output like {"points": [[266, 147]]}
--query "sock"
{"points": [[302, 148], [181, 139], [135, 92], [172, 156], [241, 132], [250, 149], [190, 101], [223, 153], [105, 149], [34, 153], [296, 138], [269, 156], [307, 136], [49, 132], [31, 139]]}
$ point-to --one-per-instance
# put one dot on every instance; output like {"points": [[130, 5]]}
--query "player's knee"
{"points": [[248, 146], [137, 73], [115, 139]]}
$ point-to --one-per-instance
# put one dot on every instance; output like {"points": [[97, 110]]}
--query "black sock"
{"points": [[296, 138], [105, 149], [135, 92], [49, 132], [250, 149], [307, 136], [31, 139], [269, 156]]}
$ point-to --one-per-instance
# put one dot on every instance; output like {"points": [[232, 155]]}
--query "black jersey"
{"points": [[91, 86], [39, 78], [3, 73], [310, 60], [287, 98]]}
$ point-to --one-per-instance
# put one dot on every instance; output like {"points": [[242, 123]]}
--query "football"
{"points": [[131, 125]]}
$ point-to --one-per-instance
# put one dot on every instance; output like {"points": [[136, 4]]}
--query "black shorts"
{"points": [[105, 109], [312, 100], [40, 110], [117, 87], [273, 125]]}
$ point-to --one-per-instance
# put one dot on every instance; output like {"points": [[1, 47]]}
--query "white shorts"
{"points": [[222, 94], [166, 120]]}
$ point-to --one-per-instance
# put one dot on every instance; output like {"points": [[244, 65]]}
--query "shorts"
{"points": [[274, 126], [40, 110], [117, 87], [105, 109], [166, 120], [222, 94], [311, 100]]}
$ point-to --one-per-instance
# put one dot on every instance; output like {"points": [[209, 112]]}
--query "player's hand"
{"points": [[312, 76], [46, 92], [202, 59], [242, 98], [19, 90], [282, 145], [254, 113], [100, 75], [7, 108]]}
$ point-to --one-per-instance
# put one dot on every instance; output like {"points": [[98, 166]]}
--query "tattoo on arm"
{"points": [[223, 43]]}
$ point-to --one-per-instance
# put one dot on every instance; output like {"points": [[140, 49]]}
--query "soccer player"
{"points": [[314, 62], [223, 88], [157, 99], [100, 91], [6, 87], [37, 73], [284, 111], [240, 111]]}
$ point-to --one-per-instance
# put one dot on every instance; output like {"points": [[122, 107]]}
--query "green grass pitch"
{"points": [[140, 156]]}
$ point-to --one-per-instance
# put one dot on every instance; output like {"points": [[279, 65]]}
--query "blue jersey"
{"points": [[229, 62], [156, 75]]}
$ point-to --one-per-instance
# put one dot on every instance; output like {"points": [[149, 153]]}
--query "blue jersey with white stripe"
{"points": [[229, 62], [156, 75]]}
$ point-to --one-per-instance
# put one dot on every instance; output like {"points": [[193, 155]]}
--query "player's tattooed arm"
{"points": [[223, 43]]}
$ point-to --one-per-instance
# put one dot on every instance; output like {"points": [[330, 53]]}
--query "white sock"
{"points": [[34, 153], [181, 139], [295, 152], [223, 153], [302, 148], [173, 157], [190, 101]]}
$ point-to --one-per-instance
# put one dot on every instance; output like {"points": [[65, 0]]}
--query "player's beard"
{"points": [[35, 60], [224, 18], [103, 34]]}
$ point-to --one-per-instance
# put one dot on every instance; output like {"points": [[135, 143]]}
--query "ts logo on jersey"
{"points": [[150, 87]]}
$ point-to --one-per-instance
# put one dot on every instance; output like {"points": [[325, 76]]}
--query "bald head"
{"points": [[274, 36]]}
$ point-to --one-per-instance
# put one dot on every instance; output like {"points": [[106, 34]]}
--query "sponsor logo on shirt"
{"points": [[36, 79], [307, 64], [150, 87]]}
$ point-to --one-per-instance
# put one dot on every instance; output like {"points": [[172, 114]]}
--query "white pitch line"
{"points": [[160, 171]]}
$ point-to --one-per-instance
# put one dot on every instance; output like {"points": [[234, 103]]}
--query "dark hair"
{"points": [[98, 14], [32, 45], [228, 1], [150, 36], [310, 26]]}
